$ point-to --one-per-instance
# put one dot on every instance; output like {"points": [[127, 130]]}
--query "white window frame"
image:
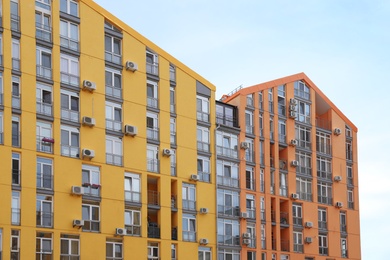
{"points": [[262, 208], [90, 180], [262, 180], [67, 111], [70, 70], [41, 201], [44, 164], [303, 135], [249, 122], [298, 241], [174, 252], [152, 94], [229, 230], [44, 70], [71, 240], [16, 157], [114, 150], [189, 227], [69, 35], [323, 243], [115, 245], [153, 251], [323, 142], [152, 125], [172, 99], [304, 188], [44, 130], [283, 184], [229, 178], [44, 106], [113, 87], [43, 5], [112, 121], [228, 202], [130, 216], [68, 7], [203, 108], [1, 128], [324, 190], [189, 196], [15, 208], [89, 218], [203, 138], [305, 163], [227, 144], [303, 110], [70, 149], [172, 128], [251, 229], [344, 247], [249, 153], [132, 183], [152, 156], [44, 252], [322, 218], [151, 62], [15, 247], [203, 168], [250, 178], [113, 51], [250, 203]]}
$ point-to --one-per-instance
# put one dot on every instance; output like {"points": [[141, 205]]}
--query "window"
{"points": [[343, 221], [249, 122], [15, 208], [15, 131], [90, 180], [282, 131], [152, 129], [173, 252], [152, 94], [283, 185], [282, 100], [303, 135], [113, 117], [172, 72], [173, 162], [297, 214], [172, 100], [227, 173], [70, 247], [44, 173], [91, 216], [272, 182], [133, 221], [113, 51], [69, 35], [261, 100], [173, 130], [113, 83], [262, 188], [226, 115], [263, 236], [304, 160], [203, 138], [44, 246], [250, 178], [228, 202], [344, 248], [304, 187], [250, 206], [228, 254], [324, 168], [261, 125], [70, 70], [189, 196], [298, 241], [349, 172], [251, 229], [114, 150], [114, 250], [262, 209], [132, 187], [15, 244], [189, 227], [44, 137], [43, 4], [44, 99], [16, 92], [303, 112], [348, 132], [261, 153], [227, 144], [250, 153], [43, 59], [323, 143], [1, 128], [271, 128], [43, 23], [16, 169], [204, 253], [228, 232], [70, 145], [323, 244], [202, 109], [69, 7], [1, 75], [203, 165], [44, 209], [70, 106], [151, 63], [153, 162], [153, 251], [350, 198], [324, 193], [301, 90], [322, 219], [348, 150], [249, 101], [270, 100], [15, 19]]}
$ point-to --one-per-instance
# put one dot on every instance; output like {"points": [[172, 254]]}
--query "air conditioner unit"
{"points": [[295, 196], [337, 178], [89, 85], [308, 240], [120, 231], [293, 114], [78, 223], [246, 241], [244, 145], [293, 101], [194, 177], [337, 131], [294, 163], [77, 190], [87, 153], [244, 215], [204, 210], [246, 235], [203, 241], [294, 142], [167, 152], [292, 108], [89, 121], [309, 224], [130, 130], [132, 66], [339, 204]]}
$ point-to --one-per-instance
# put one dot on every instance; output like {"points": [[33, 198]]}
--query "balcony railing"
{"points": [[114, 125], [324, 148], [322, 225], [305, 196], [16, 100], [16, 64], [173, 201], [249, 155], [70, 79], [91, 225], [15, 23], [229, 240], [273, 216], [153, 197], [284, 218], [203, 146], [152, 102], [92, 189], [204, 176], [45, 144], [233, 211], [304, 144], [227, 181], [44, 72], [189, 204], [282, 138], [69, 43], [250, 184], [70, 115], [174, 233], [226, 120], [324, 174], [251, 212], [284, 245], [114, 159], [203, 116], [325, 200], [44, 181], [152, 68], [153, 165], [152, 133], [132, 196], [153, 230], [113, 91], [297, 221], [227, 151], [298, 248], [70, 151], [15, 216], [281, 110], [249, 129], [323, 250], [16, 139], [301, 94], [283, 190], [44, 219], [44, 108], [304, 170], [43, 32], [323, 123], [113, 57], [133, 230], [16, 177]]}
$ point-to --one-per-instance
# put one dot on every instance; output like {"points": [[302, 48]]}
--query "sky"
{"points": [[343, 46]]}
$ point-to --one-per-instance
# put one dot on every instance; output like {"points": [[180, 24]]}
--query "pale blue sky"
{"points": [[343, 46]]}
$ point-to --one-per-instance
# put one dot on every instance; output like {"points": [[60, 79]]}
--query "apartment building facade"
{"points": [[106, 140], [295, 181]]}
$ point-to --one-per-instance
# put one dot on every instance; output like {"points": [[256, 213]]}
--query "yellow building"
{"points": [[102, 136]]}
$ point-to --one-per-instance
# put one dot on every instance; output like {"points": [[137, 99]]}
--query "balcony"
{"points": [[274, 244], [324, 175], [15, 23], [114, 125], [305, 196], [305, 170], [174, 233], [324, 148], [152, 102], [15, 216], [152, 68], [284, 218], [44, 108], [325, 200], [301, 94], [173, 201], [91, 225], [70, 79], [284, 245], [43, 32], [297, 221], [44, 219], [203, 146], [113, 57], [44, 181], [70, 151], [152, 133], [229, 240], [322, 225], [226, 120], [189, 236], [153, 165], [304, 144], [281, 110], [189, 204], [323, 124], [251, 213], [282, 138], [112, 91], [114, 159], [91, 189], [45, 144], [44, 72], [16, 101], [298, 248], [227, 181], [233, 211], [70, 115], [153, 198], [227, 151], [16, 64], [69, 43], [133, 230], [203, 116]]}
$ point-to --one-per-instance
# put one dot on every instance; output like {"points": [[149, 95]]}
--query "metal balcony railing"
{"points": [[15, 216], [324, 148], [282, 138], [132, 196], [70, 151], [114, 125], [44, 107], [297, 221], [351, 204], [44, 219], [173, 201], [152, 102], [203, 146], [152, 133], [283, 190], [305, 170], [322, 225], [16, 174], [323, 123], [249, 129], [113, 57], [281, 110], [152, 68], [45, 144], [227, 151], [44, 181], [91, 225], [172, 108], [44, 72], [43, 32], [46, 254], [113, 91], [304, 144], [325, 200], [226, 120], [153, 165], [173, 169], [153, 198], [251, 212], [298, 248], [92, 189], [1, 138], [343, 228], [227, 181], [250, 184], [69, 43], [229, 240], [114, 159], [133, 230], [189, 236], [305, 196], [301, 94], [203, 116], [273, 216], [204, 176], [70, 79], [189, 204], [324, 174], [153, 230], [262, 215], [174, 233], [233, 211], [284, 245], [323, 250], [70, 115], [284, 218]]}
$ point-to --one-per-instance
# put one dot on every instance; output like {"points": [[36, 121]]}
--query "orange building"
{"points": [[287, 182]]}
